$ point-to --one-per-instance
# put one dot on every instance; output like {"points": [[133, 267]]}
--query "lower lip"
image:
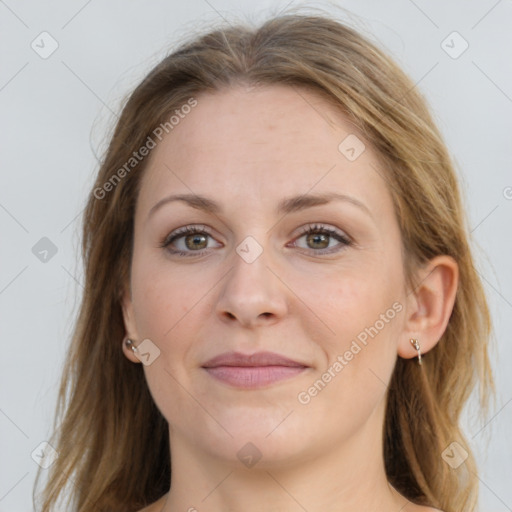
{"points": [[250, 377]]}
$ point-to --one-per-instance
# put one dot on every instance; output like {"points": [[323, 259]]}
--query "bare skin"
{"points": [[307, 297], [157, 506]]}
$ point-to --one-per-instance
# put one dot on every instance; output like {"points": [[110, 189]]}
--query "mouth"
{"points": [[252, 371]]}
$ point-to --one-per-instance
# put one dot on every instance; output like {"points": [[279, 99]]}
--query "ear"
{"points": [[429, 305], [129, 325]]}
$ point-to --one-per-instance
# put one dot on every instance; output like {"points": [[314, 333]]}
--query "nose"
{"points": [[253, 294]]}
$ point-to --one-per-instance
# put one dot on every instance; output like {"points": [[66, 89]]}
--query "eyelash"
{"points": [[192, 230]]}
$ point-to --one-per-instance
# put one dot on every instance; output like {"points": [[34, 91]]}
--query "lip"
{"points": [[257, 359], [251, 371]]}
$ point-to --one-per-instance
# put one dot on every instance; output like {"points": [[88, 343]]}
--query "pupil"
{"points": [[196, 241], [320, 241]]}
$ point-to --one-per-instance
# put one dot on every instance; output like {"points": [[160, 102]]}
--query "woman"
{"points": [[280, 302]]}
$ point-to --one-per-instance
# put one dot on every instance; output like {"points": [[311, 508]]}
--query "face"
{"points": [[294, 250]]}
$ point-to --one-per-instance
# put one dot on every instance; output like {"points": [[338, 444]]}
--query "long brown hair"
{"points": [[111, 438]]}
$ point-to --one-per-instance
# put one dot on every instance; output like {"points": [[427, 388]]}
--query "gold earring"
{"points": [[416, 344]]}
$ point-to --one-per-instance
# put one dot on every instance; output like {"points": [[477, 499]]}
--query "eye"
{"points": [[195, 240], [321, 239], [188, 241]]}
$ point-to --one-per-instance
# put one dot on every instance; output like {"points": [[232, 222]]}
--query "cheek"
{"points": [[354, 301], [164, 298], [169, 310], [365, 311]]}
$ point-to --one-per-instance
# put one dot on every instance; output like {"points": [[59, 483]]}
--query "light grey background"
{"points": [[55, 116]]}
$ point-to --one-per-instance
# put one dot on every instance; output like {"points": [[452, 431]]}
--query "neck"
{"points": [[348, 478]]}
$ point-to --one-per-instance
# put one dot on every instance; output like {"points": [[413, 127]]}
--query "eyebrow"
{"points": [[286, 206]]}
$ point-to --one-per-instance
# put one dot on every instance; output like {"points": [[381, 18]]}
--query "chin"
{"points": [[257, 451], [269, 436]]}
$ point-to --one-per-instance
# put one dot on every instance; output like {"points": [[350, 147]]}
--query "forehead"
{"points": [[262, 143]]}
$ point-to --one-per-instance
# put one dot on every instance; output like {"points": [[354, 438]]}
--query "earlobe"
{"points": [[130, 350], [430, 306]]}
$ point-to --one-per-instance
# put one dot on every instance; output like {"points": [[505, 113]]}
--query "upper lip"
{"points": [[257, 359]]}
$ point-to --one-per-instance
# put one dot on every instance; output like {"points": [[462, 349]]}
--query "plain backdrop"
{"points": [[56, 113]]}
